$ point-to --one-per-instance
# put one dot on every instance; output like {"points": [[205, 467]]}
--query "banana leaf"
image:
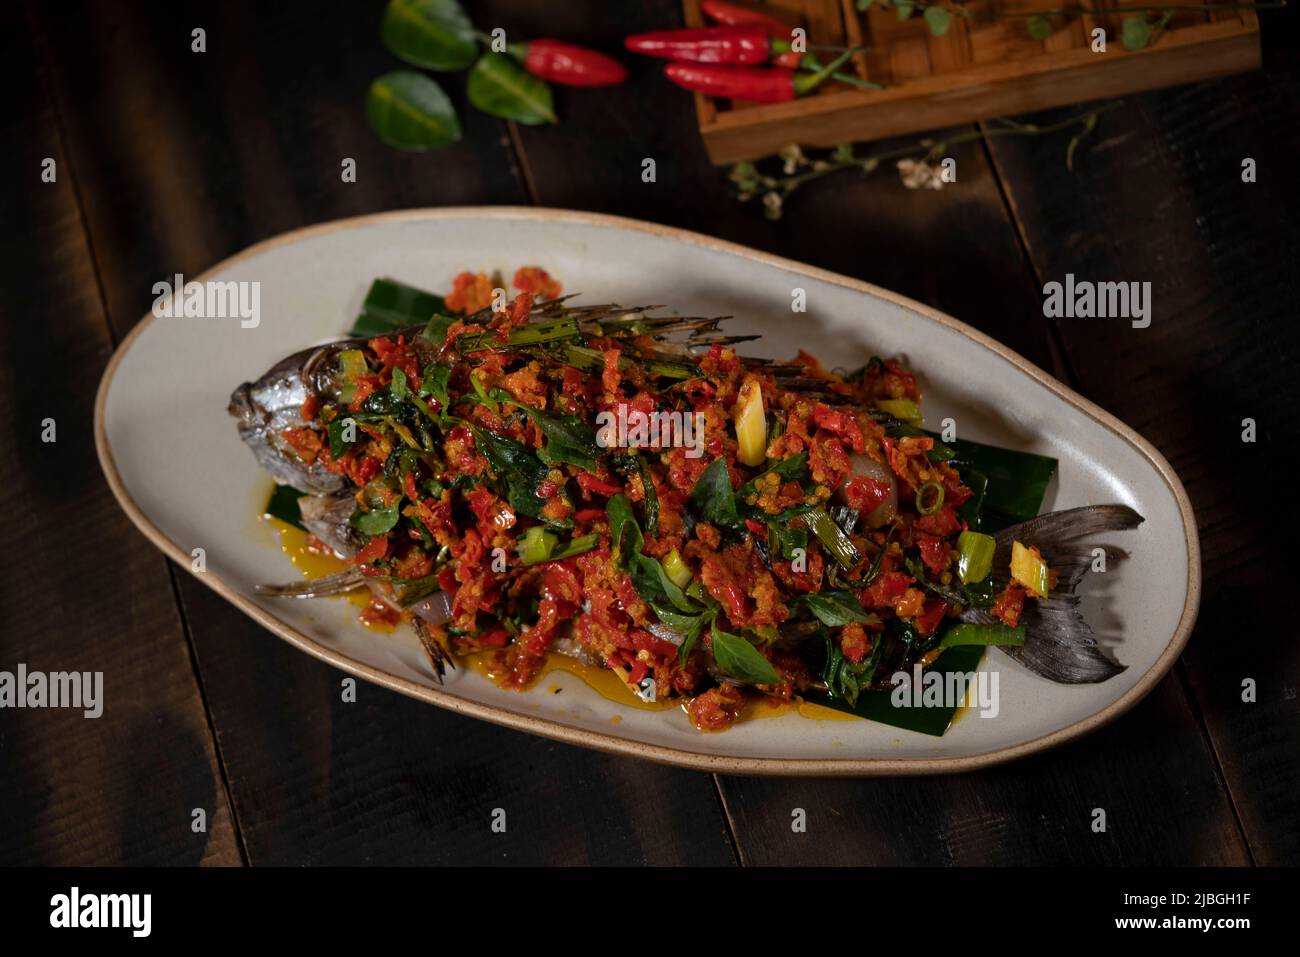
{"points": [[1009, 485], [283, 505], [877, 706], [391, 305]]}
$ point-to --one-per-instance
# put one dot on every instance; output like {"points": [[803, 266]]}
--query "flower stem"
{"points": [[840, 160]]}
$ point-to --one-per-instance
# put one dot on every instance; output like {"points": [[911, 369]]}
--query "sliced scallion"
{"points": [[536, 545], [974, 556], [838, 545], [933, 506]]}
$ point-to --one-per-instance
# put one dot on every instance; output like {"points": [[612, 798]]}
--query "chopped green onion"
{"points": [[676, 569], [529, 335], [974, 556], [536, 545], [971, 634], [548, 552], [1028, 568], [905, 410], [838, 545], [933, 506], [352, 365], [591, 360]]}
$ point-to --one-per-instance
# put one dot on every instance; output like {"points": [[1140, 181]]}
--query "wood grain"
{"points": [[188, 158], [1160, 198], [955, 249], [89, 594], [978, 70]]}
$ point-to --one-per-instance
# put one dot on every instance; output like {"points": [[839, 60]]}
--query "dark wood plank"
{"points": [[958, 250], [188, 159], [119, 788], [1160, 198]]}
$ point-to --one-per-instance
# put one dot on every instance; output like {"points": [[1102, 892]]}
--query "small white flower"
{"points": [[772, 205], [793, 157], [917, 174]]}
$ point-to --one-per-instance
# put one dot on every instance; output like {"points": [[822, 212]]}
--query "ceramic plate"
{"points": [[173, 459]]}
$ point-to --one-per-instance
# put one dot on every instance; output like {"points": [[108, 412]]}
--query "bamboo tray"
{"points": [[978, 70]]}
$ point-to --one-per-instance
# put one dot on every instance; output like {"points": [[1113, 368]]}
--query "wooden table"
{"points": [[168, 161]]}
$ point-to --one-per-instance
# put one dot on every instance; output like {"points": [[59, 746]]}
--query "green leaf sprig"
{"points": [[411, 111]]}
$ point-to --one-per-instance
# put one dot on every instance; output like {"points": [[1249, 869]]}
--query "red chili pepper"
{"points": [[739, 83], [744, 46], [593, 484], [569, 65], [730, 15], [757, 84]]}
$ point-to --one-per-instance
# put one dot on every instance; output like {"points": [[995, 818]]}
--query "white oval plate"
{"points": [[172, 457]]}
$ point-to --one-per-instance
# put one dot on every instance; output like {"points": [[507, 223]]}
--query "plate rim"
{"points": [[610, 744]]}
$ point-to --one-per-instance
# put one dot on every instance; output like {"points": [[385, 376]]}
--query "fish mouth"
{"points": [[241, 405]]}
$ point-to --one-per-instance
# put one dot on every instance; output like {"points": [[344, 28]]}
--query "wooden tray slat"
{"points": [[980, 69]]}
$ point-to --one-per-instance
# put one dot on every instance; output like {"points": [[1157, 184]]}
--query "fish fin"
{"points": [[1072, 523], [324, 586], [438, 658], [1060, 644]]}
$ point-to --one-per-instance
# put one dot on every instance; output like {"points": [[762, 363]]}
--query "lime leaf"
{"points": [[435, 34], [1040, 28], [500, 86], [938, 19], [1136, 32], [410, 111], [738, 658]]}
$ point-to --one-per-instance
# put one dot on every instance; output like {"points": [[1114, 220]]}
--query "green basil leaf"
{"points": [[434, 382], [655, 587], [517, 468], [622, 521], [378, 521], [741, 660], [399, 386], [712, 497], [434, 34], [436, 329], [338, 444], [836, 608], [568, 438], [651, 496], [500, 86], [410, 111]]}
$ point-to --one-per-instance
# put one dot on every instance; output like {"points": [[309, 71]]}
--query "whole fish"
{"points": [[819, 524]]}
